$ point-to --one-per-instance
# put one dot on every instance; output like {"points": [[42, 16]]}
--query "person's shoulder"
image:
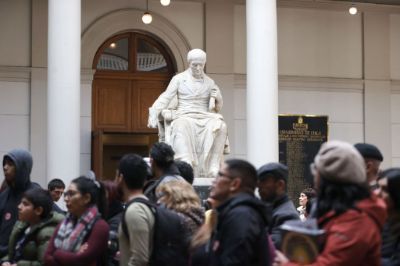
{"points": [[47, 229], [19, 227], [286, 206], [285, 213], [139, 213], [244, 205], [170, 178], [101, 224], [208, 79], [138, 208]]}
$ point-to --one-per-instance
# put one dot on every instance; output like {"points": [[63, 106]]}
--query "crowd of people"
{"points": [[150, 213]]}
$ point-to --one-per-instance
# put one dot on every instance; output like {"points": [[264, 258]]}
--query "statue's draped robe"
{"points": [[197, 135]]}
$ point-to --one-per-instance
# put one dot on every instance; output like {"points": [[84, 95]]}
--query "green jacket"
{"points": [[37, 240]]}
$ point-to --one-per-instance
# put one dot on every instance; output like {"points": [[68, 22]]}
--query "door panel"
{"points": [[112, 105], [145, 93], [108, 148]]}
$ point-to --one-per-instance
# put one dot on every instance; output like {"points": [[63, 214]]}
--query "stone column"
{"points": [[63, 90], [262, 82], [377, 85]]}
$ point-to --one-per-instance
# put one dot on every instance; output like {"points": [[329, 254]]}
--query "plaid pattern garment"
{"points": [[70, 235]]}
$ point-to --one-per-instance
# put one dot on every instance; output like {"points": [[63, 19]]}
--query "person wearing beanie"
{"points": [[351, 216], [388, 190], [373, 159], [272, 187]]}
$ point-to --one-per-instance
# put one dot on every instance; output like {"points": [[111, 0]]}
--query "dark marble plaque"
{"points": [[300, 137]]}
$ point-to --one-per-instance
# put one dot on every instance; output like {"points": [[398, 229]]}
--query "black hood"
{"points": [[245, 199], [23, 166]]}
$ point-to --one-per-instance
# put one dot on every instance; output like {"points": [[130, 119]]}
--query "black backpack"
{"points": [[170, 245]]}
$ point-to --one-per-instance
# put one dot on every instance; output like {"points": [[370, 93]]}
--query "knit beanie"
{"points": [[340, 162]]}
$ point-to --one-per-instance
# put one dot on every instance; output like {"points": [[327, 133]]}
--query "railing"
{"points": [[145, 62]]}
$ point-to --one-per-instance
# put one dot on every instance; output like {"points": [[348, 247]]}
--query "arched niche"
{"points": [[124, 20]]}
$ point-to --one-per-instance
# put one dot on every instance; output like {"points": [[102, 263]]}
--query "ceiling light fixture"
{"points": [[147, 18], [353, 10], [165, 2]]}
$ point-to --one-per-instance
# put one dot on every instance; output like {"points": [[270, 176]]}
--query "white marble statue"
{"points": [[187, 116]]}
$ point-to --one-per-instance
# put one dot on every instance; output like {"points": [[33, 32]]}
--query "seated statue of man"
{"points": [[187, 116]]}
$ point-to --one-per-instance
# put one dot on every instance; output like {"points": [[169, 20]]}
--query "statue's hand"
{"points": [[153, 121], [211, 105], [167, 114], [214, 92]]}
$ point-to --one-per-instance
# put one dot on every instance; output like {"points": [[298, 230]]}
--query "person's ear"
{"points": [[38, 211], [119, 177], [117, 174], [281, 185], [235, 184], [368, 165], [87, 198]]}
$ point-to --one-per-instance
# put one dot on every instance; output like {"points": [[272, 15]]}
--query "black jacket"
{"points": [[240, 237], [282, 210], [11, 196], [390, 250]]}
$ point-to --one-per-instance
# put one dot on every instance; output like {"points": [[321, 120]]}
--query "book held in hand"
{"points": [[301, 241]]}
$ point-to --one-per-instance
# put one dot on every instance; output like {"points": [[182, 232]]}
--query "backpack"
{"points": [[170, 246]]}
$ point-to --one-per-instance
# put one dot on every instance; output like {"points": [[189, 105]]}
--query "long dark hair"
{"points": [[339, 197], [96, 190]]}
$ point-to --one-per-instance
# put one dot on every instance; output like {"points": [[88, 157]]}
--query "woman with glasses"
{"points": [[81, 239]]}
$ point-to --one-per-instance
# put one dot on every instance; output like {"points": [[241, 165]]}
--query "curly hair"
{"points": [[178, 195]]}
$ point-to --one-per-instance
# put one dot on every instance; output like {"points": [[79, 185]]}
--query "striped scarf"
{"points": [[70, 235]]}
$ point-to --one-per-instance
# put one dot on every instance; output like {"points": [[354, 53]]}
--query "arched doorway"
{"points": [[132, 70]]}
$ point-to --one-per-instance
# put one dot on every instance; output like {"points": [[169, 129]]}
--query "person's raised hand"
{"points": [[280, 259]]}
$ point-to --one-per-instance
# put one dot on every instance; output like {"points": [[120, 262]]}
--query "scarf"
{"points": [[70, 235]]}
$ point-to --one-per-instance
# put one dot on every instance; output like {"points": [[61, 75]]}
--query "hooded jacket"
{"points": [[11, 196], [354, 237], [36, 240], [240, 237]]}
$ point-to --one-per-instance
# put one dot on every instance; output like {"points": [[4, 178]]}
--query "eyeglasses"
{"points": [[70, 193], [220, 174]]}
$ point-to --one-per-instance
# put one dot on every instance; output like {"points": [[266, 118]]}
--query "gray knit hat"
{"points": [[340, 162]]}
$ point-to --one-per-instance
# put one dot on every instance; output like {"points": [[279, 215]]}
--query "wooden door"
{"points": [[132, 70]]}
